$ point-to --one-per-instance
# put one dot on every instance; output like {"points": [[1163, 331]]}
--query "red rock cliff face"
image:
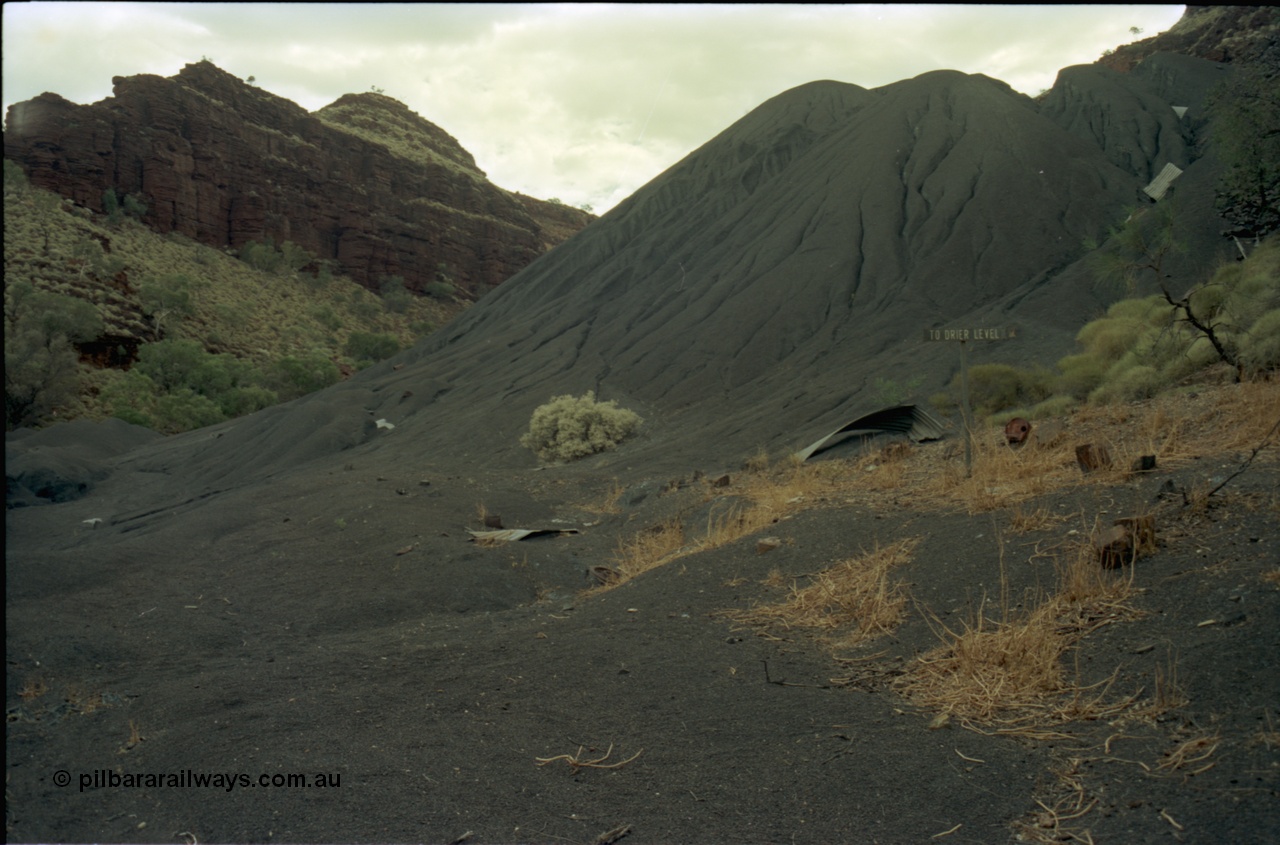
{"points": [[365, 181]]}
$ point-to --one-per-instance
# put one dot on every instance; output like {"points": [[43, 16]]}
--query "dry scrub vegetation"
{"points": [[999, 671], [1008, 673], [1177, 429], [856, 595]]}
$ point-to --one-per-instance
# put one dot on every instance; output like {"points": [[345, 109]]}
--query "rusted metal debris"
{"points": [[512, 535], [492, 520], [1016, 431], [912, 420]]}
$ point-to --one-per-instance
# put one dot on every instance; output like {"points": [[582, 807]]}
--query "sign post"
{"points": [[963, 336]]}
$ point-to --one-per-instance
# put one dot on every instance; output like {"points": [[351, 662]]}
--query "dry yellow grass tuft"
{"points": [[1049, 824], [1009, 674], [855, 594], [770, 493], [643, 551], [608, 503]]}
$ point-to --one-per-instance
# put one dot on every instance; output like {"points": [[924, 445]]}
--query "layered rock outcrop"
{"points": [[364, 181], [1217, 33]]}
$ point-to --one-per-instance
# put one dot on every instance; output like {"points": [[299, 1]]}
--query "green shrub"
{"points": [[440, 290], [370, 347], [1260, 347], [297, 375], [1128, 381], [997, 387], [1080, 374], [239, 401], [327, 317], [184, 410], [15, 179], [568, 428], [131, 397], [397, 301]]}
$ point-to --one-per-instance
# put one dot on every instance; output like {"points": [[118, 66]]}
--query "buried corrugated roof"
{"points": [[512, 535], [911, 420], [1163, 180]]}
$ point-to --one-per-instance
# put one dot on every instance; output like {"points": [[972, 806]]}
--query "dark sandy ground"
{"points": [[337, 623]]}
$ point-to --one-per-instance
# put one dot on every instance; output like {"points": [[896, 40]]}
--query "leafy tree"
{"points": [[111, 205], [164, 298], [133, 207], [15, 179], [88, 253], [1138, 248], [41, 367], [117, 209], [170, 364], [293, 257], [1245, 111], [395, 297]]}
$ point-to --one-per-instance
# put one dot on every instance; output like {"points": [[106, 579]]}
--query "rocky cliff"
{"points": [[1217, 33], [363, 181]]}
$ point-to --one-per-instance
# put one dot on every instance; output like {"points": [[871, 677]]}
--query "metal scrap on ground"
{"points": [[911, 420], [511, 535]]}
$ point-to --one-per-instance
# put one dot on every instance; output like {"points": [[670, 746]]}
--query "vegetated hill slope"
{"points": [[364, 181]]}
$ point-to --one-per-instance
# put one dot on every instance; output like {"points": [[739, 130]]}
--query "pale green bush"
{"points": [[568, 427], [1260, 349]]}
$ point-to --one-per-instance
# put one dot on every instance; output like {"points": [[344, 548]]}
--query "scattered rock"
{"points": [[767, 544]]}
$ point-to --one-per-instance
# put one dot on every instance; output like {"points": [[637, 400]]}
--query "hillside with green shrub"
{"points": [[1226, 329], [104, 317]]}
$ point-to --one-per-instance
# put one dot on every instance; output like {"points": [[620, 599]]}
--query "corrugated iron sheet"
{"points": [[511, 535], [912, 420], [1161, 183]]}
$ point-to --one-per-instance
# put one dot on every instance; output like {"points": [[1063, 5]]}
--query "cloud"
{"points": [[584, 102]]}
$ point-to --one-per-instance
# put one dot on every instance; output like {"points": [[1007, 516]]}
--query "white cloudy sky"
{"points": [[585, 103]]}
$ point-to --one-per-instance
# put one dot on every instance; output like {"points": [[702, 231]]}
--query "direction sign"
{"points": [[973, 333], [964, 335]]}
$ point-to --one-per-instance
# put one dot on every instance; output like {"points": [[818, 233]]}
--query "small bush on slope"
{"points": [[568, 428]]}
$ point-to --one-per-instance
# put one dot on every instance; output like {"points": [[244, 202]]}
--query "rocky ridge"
{"points": [[364, 182], [1216, 33]]}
